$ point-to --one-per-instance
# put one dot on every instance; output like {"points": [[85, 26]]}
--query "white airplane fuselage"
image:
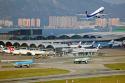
{"points": [[79, 45], [95, 13], [90, 50]]}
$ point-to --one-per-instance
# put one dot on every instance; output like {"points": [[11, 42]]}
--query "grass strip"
{"points": [[105, 79], [116, 66], [22, 73]]}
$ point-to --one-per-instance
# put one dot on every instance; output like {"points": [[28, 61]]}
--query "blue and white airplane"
{"points": [[98, 13]]}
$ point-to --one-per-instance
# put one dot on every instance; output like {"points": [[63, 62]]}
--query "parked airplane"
{"points": [[31, 52], [85, 45], [20, 64], [8, 49], [24, 51], [75, 45], [86, 50], [114, 43], [80, 45], [98, 13]]}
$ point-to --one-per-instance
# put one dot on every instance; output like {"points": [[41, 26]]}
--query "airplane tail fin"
{"points": [[10, 48], [69, 43], [86, 12], [93, 42], [79, 44], [98, 46], [1, 46], [111, 42]]}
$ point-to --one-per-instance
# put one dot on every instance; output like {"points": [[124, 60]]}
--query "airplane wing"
{"points": [[102, 14], [86, 18]]}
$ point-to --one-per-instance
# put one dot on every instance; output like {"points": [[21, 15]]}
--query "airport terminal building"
{"points": [[50, 38], [40, 37], [60, 29]]}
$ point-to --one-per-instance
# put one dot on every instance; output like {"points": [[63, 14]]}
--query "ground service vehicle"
{"points": [[81, 60]]}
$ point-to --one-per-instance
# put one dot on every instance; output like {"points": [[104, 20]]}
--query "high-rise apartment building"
{"points": [[62, 21], [37, 22], [27, 22], [101, 22], [6, 23], [114, 21]]}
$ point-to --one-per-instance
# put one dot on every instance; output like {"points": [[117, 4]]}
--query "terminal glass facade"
{"points": [[19, 34]]}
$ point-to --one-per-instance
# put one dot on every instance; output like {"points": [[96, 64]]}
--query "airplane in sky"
{"points": [[97, 13]]}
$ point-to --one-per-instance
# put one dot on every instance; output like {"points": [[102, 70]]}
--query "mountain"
{"points": [[14, 9]]}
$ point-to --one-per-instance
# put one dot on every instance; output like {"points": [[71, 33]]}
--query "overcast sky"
{"points": [[115, 1]]}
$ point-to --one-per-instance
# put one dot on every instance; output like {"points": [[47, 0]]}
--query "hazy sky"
{"points": [[115, 1]]}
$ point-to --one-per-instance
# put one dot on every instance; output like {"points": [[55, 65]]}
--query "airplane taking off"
{"points": [[98, 13]]}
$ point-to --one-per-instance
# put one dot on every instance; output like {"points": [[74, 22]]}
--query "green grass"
{"points": [[21, 73], [116, 66], [7, 66], [106, 79], [120, 29]]}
